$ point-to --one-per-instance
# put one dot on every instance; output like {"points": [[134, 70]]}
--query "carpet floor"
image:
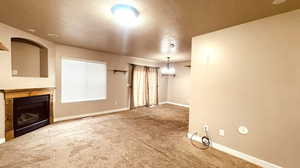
{"points": [[141, 138]]}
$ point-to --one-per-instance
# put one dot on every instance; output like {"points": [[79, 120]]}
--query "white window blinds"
{"points": [[83, 80]]}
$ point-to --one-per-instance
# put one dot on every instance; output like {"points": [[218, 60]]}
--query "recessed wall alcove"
{"points": [[29, 58]]}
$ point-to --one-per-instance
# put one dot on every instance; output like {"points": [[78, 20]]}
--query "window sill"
{"points": [[81, 100]]}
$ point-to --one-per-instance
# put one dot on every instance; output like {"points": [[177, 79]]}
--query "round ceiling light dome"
{"points": [[125, 14]]}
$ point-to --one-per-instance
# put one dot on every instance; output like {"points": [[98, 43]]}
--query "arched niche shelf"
{"points": [[29, 58]]}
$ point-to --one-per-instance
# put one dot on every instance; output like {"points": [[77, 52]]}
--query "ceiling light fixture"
{"points": [[166, 43], [126, 15], [278, 2], [168, 70]]}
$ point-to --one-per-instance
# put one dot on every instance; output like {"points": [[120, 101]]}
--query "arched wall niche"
{"points": [[29, 58]]}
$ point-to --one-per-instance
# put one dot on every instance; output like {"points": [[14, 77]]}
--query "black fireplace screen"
{"points": [[30, 113]]}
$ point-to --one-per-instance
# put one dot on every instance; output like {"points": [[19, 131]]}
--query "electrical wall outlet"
{"points": [[243, 130], [221, 132], [15, 72]]}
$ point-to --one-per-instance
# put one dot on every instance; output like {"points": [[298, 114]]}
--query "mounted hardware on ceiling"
{"points": [[126, 15], [172, 45]]}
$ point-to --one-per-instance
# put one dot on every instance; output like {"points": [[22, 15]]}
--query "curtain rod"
{"points": [[144, 65]]}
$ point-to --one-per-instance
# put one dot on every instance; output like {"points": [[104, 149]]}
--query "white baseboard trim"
{"points": [[238, 154], [176, 104], [2, 140], [89, 114], [165, 102]]}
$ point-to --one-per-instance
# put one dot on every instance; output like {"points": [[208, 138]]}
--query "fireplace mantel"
{"points": [[11, 94]]}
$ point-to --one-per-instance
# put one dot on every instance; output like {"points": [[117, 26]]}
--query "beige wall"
{"points": [[163, 88], [250, 75], [179, 86], [2, 116], [6, 79], [117, 91], [25, 59], [117, 83]]}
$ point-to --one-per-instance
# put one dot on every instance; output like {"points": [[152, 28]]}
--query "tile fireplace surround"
{"points": [[11, 94]]}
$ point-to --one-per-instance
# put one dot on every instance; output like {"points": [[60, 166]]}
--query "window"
{"points": [[83, 81]]}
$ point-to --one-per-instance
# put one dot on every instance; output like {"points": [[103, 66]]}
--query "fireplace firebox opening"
{"points": [[30, 113]]}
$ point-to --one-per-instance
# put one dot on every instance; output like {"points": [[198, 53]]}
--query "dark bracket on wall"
{"points": [[120, 71], [3, 47], [169, 75], [188, 66]]}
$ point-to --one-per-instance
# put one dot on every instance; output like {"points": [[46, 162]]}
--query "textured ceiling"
{"points": [[89, 23]]}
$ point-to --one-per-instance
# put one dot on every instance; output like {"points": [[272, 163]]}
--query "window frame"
{"points": [[84, 99]]}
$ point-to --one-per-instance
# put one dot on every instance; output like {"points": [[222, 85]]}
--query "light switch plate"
{"points": [[221, 132]]}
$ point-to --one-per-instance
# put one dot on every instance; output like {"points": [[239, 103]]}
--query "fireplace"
{"points": [[27, 110], [30, 113]]}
